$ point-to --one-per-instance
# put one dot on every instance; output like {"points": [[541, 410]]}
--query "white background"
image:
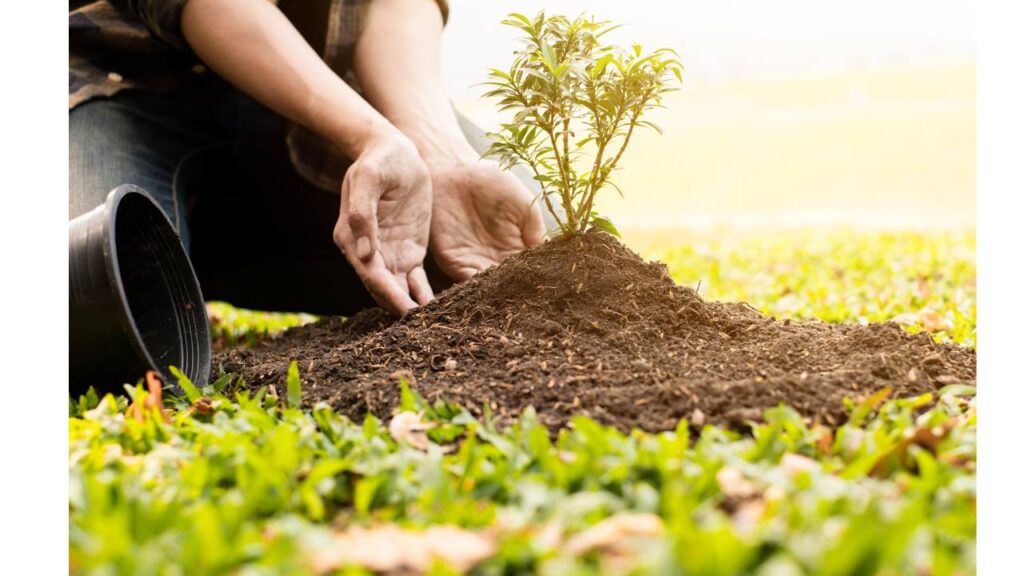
{"points": [[33, 216]]}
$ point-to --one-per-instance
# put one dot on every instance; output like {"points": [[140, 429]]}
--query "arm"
{"points": [[481, 214], [251, 44], [385, 210], [408, 91]]}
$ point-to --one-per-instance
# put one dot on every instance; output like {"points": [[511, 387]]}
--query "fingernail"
{"points": [[363, 247]]}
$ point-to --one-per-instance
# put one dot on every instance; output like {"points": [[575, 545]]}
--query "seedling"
{"points": [[577, 102]]}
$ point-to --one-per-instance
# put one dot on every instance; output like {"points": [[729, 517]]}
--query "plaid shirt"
{"points": [[137, 44]]}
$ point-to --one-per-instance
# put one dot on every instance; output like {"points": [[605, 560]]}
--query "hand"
{"points": [[384, 225], [482, 215]]}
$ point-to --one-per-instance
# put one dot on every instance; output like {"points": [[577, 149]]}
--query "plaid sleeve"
{"points": [[315, 159], [161, 17]]}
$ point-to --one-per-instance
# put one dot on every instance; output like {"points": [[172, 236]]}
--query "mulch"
{"points": [[585, 326]]}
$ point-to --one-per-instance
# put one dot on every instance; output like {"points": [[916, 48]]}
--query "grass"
{"points": [[251, 484], [923, 280], [232, 326]]}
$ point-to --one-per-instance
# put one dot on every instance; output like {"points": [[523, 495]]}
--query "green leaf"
{"points": [[410, 401], [191, 392], [365, 491], [522, 19], [218, 385], [294, 386], [602, 223]]}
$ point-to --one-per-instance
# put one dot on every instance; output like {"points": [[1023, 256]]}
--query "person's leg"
{"points": [[111, 145], [135, 138]]}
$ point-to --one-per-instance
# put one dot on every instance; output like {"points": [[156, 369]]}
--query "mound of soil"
{"points": [[584, 325]]}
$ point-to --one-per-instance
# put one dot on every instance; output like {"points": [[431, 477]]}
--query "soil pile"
{"points": [[584, 325]]}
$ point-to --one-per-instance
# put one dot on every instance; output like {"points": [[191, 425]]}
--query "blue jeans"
{"points": [[259, 236], [152, 140]]}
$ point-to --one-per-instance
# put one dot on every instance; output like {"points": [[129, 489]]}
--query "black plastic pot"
{"points": [[135, 303]]}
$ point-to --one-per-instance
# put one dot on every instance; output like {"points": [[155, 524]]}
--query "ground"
{"points": [[251, 484]]}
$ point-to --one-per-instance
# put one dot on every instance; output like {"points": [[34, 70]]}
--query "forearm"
{"points": [[398, 63], [252, 44]]}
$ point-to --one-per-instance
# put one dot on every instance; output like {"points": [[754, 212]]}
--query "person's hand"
{"points": [[384, 225], [482, 215]]}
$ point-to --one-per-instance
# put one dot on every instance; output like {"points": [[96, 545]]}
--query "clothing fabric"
{"points": [[254, 198], [118, 45], [259, 235]]}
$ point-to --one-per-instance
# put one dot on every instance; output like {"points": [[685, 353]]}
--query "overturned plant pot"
{"points": [[135, 302]]}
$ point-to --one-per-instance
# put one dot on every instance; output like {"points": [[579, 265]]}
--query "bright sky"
{"points": [[726, 39], [792, 111]]}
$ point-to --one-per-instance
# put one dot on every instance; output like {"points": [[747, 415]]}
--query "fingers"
{"points": [[471, 266], [419, 287], [464, 273], [359, 235], [385, 287], [361, 191], [533, 228]]}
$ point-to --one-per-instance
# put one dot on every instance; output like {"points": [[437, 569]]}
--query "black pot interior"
{"points": [[163, 298]]}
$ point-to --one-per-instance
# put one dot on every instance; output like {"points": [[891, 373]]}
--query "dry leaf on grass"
{"points": [[825, 438], [742, 500], [203, 405], [409, 427], [154, 400], [733, 484], [928, 320], [392, 549], [794, 464], [610, 534], [924, 437], [748, 515]]}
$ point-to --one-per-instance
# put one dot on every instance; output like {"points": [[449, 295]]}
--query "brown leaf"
{"points": [[748, 514], [409, 427], [392, 549], [925, 437], [934, 322], [154, 400], [928, 320], [825, 438], [794, 464], [203, 405], [733, 484], [609, 534]]}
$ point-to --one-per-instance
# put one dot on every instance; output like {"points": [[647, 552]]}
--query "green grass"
{"points": [[250, 484], [232, 326], [921, 280]]}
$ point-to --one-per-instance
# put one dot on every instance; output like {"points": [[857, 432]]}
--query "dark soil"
{"points": [[585, 326]]}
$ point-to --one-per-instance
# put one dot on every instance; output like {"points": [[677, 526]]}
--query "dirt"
{"points": [[585, 326]]}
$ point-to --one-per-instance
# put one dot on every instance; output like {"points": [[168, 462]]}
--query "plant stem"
{"points": [[544, 193], [564, 170]]}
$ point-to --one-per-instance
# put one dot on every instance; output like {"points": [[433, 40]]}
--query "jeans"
{"points": [[259, 236]]}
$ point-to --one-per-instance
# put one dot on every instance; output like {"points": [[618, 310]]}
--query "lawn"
{"points": [[249, 483]]}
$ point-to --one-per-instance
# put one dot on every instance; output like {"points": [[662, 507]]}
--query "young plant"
{"points": [[577, 102]]}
